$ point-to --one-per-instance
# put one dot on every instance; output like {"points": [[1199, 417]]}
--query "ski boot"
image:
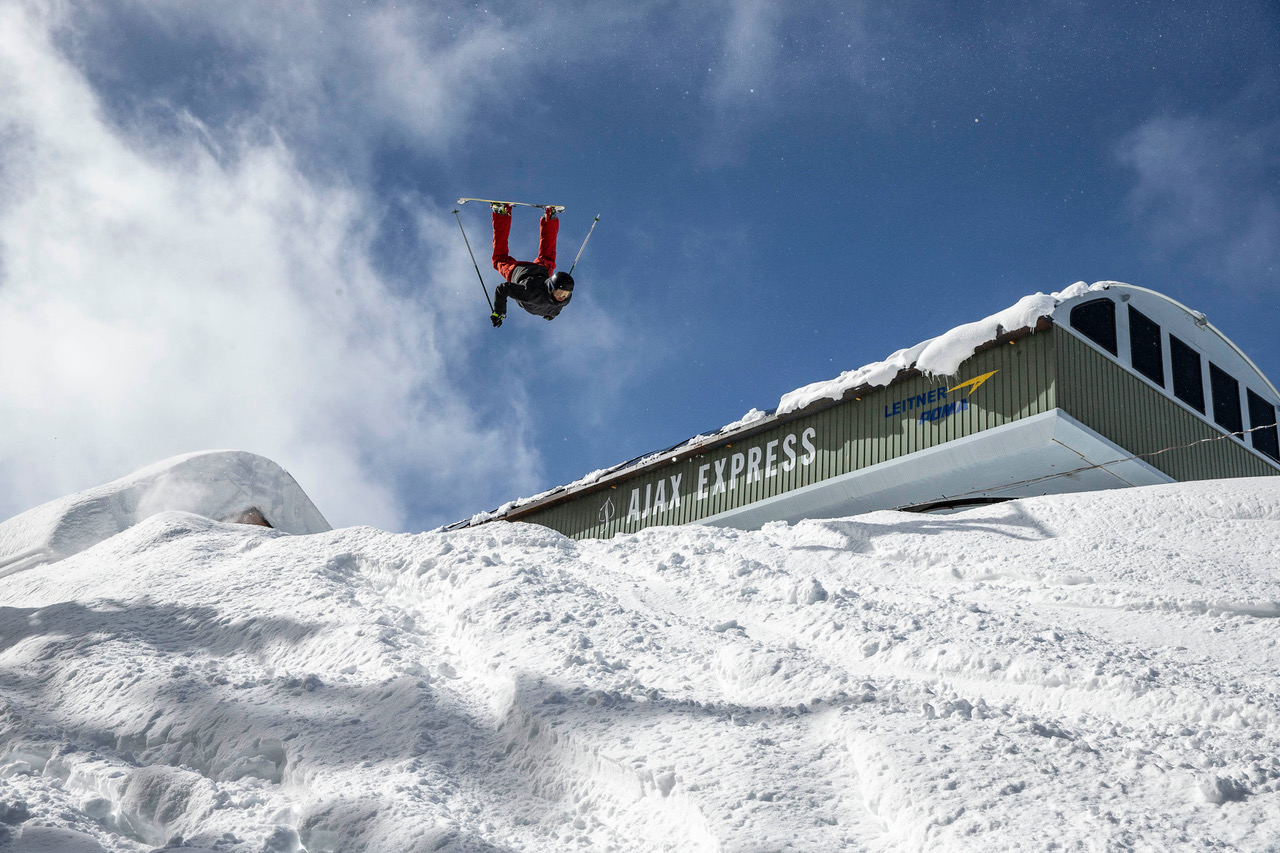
{"points": [[550, 212], [500, 208]]}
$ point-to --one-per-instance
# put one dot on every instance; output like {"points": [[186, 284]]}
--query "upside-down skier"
{"points": [[533, 284]]}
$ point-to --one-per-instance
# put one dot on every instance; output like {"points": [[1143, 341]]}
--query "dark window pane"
{"points": [[1188, 383], [1144, 346], [1096, 320], [1226, 399], [1263, 414]]}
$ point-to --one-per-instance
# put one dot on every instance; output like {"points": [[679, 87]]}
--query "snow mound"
{"points": [[221, 485], [1092, 671]]}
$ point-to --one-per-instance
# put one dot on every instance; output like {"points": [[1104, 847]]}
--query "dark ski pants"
{"points": [[548, 229]]}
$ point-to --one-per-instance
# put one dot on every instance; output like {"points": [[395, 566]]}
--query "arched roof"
{"points": [[1191, 326]]}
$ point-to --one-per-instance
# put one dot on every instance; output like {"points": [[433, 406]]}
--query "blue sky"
{"points": [[230, 224]]}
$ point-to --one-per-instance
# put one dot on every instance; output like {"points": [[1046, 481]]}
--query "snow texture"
{"points": [[215, 484], [1083, 672]]}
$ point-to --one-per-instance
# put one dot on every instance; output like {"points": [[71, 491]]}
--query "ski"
{"points": [[559, 207]]}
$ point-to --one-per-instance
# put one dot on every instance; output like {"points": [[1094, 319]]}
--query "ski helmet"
{"points": [[560, 281]]}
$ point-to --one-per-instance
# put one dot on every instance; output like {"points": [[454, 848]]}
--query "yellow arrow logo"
{"points": [[973, 384]]}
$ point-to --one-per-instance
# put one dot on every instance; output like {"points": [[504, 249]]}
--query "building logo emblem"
{"points": [[940, 402], [608, 511]]}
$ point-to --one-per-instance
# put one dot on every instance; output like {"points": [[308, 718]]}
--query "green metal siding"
{"points": [[846, 436], [1115, 403], [1031, 374]]}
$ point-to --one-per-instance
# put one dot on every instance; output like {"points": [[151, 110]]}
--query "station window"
{"points": [[1188, 382], [1145, 348], [1263, 414], [1096, 320], [1226, 399]]}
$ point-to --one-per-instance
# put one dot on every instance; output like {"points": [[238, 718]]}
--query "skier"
{"points": [[534, 285]]}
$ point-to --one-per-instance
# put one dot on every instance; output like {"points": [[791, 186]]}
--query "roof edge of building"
{"points": [[683, 451]]}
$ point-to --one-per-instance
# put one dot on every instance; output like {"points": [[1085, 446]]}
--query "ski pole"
{"points": [[584, 243], [473, 259]]}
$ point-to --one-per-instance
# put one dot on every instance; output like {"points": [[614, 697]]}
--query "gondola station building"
{"points": [[1096, 387]]}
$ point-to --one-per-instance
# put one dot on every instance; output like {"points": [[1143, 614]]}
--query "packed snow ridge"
{"points": [[1084, 672], [220, 484], [940, 356]]}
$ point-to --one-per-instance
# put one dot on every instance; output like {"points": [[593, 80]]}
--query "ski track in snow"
{"points": [[1083, 672]]}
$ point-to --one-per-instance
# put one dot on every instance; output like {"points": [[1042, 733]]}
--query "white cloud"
{"points": [[338, 68], [346, 77], [155, 299], [1203, 194], [349, 75]]}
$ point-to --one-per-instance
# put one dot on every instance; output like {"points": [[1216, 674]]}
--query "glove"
{"points": [[550, 319], [496, 318]]}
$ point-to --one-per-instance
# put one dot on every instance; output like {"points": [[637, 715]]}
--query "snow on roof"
{"points": [[940, 356]]}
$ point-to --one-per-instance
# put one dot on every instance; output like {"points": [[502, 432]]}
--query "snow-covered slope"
{"points": [[218, 484], [1087, 672]]}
